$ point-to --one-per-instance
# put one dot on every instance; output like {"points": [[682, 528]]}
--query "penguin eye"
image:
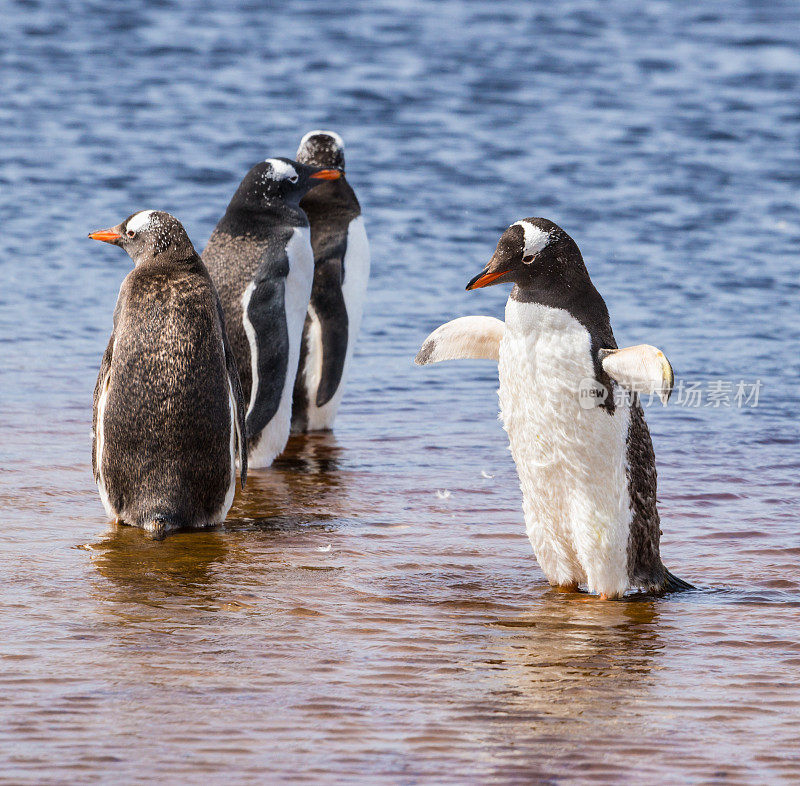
{"points": [[528, 259], [130, 233], [293, 179]]}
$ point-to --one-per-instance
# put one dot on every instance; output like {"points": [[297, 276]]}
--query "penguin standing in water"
{"points": [[168, 418], [583, 453], [260, 259], [341, 272]]}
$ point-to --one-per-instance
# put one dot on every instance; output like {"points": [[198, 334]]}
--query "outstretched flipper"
{"points": [[640, 369], [465, 338], [264, 320]]}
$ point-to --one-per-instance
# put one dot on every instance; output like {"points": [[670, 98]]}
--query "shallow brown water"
{"points": [[377, 633]]}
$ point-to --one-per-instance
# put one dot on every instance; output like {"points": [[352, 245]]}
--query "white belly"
{"points": [[275, 434], [354, 290], [571, 461]]}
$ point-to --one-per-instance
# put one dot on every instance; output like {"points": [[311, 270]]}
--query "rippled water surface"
{"points": [[371, 611]]}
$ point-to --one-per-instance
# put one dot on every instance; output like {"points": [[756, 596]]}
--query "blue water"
{"points": [[664, 137]]}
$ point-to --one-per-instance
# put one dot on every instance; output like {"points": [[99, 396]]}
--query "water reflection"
{"points": [[146, 571], [316, 453], [306, 479], [571, 640], [574, 673]]}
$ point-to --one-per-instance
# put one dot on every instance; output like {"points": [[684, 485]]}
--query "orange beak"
{"points": [[484, 278], [327, 174], [106, 235]]}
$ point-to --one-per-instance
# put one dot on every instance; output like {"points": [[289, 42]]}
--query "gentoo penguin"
{"points": [[583, 452], [260, 259], [341, 272], [168, 409]]}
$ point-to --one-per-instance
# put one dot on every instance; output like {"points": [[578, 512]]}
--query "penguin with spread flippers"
{"points": [[583, 451], [260, 259], [168, 420], [341, 272]]}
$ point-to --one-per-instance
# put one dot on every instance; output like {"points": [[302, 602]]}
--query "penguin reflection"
{"points": [[571, 678], [306, 480], [598, 654]]}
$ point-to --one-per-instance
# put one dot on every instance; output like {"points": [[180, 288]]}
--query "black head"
{"points": [[148, 234], [321, 148], [279, 180], [533, 253]]}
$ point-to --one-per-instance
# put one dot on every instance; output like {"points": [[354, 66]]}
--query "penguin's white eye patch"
{"points": [[535, 240], [280, 170], [139, 222]]}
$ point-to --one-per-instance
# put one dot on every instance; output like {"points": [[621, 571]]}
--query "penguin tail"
{"points": [[160, 524], [672, 583]]}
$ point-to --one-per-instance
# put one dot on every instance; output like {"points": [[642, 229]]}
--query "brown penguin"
{"points": [[168, 409]]}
